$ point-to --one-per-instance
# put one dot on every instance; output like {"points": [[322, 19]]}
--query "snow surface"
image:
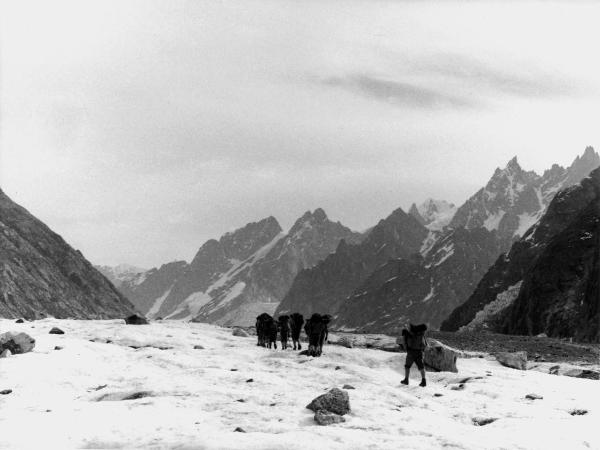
{"points": [[493, 220], [58, 401], [526, 221], [437, 213]]}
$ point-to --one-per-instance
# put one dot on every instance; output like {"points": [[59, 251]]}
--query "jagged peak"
{"points": [[513, 164]]}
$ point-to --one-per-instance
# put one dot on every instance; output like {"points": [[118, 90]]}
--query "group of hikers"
{"points": [[412, 338]]}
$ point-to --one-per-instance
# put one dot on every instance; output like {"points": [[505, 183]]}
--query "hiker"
{"points": [[415, 344]]}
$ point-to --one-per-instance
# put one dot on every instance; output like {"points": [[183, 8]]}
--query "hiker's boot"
{"points": [[423, 383], [405, 381]]}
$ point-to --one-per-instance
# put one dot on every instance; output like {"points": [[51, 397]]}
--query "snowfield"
{"points": [[190, 398]]}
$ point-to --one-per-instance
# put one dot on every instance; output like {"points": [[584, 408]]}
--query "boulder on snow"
{"points": [[19, 321], [440, 357], [134, 319], [348, 386], [534, 397], [5, 353], [345, 341], [515, 360], [583, 373], [56, 330], [327, 418], [16, 342], [335, 401], [5, 391], [198, 347], [239, 332]]}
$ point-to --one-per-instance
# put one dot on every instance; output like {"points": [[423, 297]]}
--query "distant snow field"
{"points": [[182, 397]]}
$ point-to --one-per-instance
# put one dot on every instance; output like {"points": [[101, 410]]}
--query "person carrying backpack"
{"points": [[415, 344]]}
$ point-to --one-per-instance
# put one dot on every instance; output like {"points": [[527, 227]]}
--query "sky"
{"points": [[139, 129]]}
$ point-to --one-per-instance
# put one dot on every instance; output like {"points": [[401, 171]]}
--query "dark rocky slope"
{"points": [[40, 274], [548, 282]]}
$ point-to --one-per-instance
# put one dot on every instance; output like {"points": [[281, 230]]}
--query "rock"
{"points": [[437, 394], [19, 321], [241, 400], [534, 397], [102, 386], [58, 347], [250, 380], [348, 386], [541, 335], [578, 412], [198, 347], [515, 360], [239, 430], [327, 418], [56, 330], [583, 373], [5, 391], [460, 387], [233, 370], [16, 342], [554, 370], [336, 401], [440, 357], [239, 332], [5, 353], [345, 341], [337, 367], [134, 319], [481, 421]]}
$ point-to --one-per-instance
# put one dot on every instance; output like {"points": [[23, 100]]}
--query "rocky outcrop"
{"points": [[433, 214], [555, 266], [325, 287], [40, 274], [136, 320]]}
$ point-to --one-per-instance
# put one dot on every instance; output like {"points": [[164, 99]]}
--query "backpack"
{"points": [[415, 338]]}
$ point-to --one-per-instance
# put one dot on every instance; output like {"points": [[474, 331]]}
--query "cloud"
{"points": [[398, 92]]}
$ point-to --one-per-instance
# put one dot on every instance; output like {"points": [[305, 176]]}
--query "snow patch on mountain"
{"points": [[493, 221], [158, 303]]}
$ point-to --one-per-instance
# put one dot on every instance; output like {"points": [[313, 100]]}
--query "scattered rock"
{"points": [[327, 418], [348, 386], [118, 396], [56, 330], [19, 321], [345, 341], [250, 380], [198, 347], [134, 319], [337, 367], [481, 421], [460, 387], [515, 360], [583, 373], [239, 332], [534, 397], [5, 353], [241, 400], [5, 392], [272, 404], [440, 357], [573, 412], [437, 394], [233, 370], [554, 370], [239, 430], [58, 347], [16, 342], [102, 386], [336, 401]]}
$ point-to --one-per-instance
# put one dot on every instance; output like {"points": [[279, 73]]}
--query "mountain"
{"points": [[121, 273], [548, 282], [433, 214], [326, 286], [422, 288], [245, 273], [514, 199], [441, 273], [40, 274]]}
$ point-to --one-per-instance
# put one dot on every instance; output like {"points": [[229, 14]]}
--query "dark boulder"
{"points": [[134, 319], [336, 401], [56, 330]]}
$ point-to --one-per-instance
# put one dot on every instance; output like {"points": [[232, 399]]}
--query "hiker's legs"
{"points": [[421, 367]]}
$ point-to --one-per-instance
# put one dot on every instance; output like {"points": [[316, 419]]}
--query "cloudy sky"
{"points": [[139, 129]]}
